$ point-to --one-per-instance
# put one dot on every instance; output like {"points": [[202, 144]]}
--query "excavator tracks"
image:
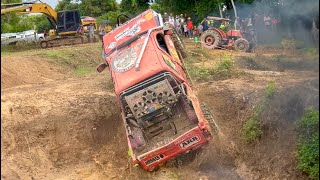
{"points": [[63, 41]]}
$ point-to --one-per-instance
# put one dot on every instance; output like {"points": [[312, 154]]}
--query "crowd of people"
{"points": [[186, 27]]}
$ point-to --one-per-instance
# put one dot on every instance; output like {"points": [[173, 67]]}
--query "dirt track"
{"points": [[59, 126]]}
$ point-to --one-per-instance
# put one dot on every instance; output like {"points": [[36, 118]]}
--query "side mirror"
{"points": [[101, 67], [168, 32]]}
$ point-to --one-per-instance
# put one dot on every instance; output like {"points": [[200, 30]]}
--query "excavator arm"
{"points": [[28, 8]]}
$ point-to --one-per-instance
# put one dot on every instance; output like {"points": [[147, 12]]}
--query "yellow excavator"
{"points": [[68, 26]]}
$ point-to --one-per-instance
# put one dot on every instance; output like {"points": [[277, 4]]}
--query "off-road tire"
{"points": [[210, 39], [44, 44], [241, 45]]}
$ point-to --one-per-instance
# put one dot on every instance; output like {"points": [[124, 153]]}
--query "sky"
{"points": [[53, 3]]}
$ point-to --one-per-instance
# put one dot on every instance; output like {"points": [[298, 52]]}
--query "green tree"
{"points": [[133, 7], [67, 5], [111, 16], [96, 8]]}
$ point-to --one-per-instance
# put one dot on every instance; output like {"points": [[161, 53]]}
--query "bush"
{"points": [[270, 89], [225, 65], [200, 73], [252, 129], [308, 146], [223, 68]]}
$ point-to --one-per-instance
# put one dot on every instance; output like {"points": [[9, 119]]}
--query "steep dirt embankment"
{"points": [[58, 118]]}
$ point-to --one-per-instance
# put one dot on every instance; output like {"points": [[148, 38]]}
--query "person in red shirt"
{"points": [[189, 27]]}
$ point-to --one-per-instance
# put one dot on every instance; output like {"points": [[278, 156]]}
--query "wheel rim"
{"points": [[241, 46], [43, 44], [209, 40]]}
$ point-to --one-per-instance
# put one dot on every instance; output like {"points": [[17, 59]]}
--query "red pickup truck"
{"points": [[160, 112]]}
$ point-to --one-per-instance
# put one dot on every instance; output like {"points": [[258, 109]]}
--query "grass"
{"points": [[308, 146], [203, 52], [200, 74], [270, 89], [83, 71], [225, 65], [220, 70], [291, 44], [79, 60], [252, 128], [173, 176]]}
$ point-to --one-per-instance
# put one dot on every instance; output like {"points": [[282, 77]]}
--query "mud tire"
{"points": [[241, 45], [44, 44], [210, 39]]}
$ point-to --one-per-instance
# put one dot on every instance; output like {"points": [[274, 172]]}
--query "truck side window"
{"points": [[162, 43]]}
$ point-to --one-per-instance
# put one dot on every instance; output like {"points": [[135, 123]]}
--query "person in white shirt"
{"points": [[171, 20], [267, 22]]}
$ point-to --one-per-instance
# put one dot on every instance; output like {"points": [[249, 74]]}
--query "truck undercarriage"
{"points": [[156, 111]]}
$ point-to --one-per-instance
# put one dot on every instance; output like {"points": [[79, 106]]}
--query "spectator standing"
{"points": [[200, 28], [102, 31], [182, 22], [274, 23], [177, 23], [185, 30], [204, 24], [91, 32], [267, 22], [171, 20], [189, 27], [196, 35]]}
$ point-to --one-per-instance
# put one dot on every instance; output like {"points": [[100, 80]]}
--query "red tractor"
{"points": [[215, 37], [159, 110]]}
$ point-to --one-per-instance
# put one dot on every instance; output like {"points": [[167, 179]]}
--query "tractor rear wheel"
{"points": [[210, 39], [241, 45]]}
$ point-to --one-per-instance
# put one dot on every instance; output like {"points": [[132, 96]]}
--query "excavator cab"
{"points": [[68, 21]]}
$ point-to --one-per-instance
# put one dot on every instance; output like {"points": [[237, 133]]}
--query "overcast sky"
{"points": [[53, 3]]}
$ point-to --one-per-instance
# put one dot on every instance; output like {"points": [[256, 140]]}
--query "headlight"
{"points": [[124, 60]]}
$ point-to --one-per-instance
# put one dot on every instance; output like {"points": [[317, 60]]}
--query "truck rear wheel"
{"points": [[44, 44]]}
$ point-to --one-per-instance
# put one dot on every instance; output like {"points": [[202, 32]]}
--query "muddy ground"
{"points": [[59, 119]]}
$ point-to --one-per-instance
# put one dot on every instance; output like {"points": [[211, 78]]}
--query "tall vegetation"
{"points": [[308, 147]]}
